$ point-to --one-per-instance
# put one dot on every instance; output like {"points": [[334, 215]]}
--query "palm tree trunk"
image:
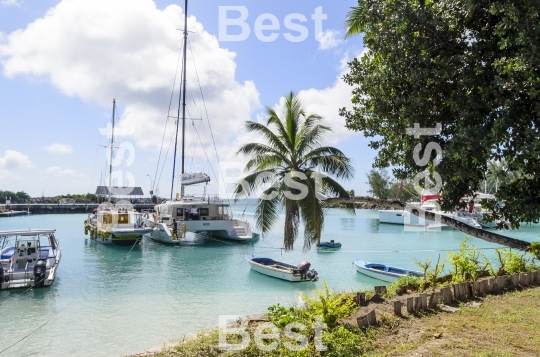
{"points": [[460, 226]]}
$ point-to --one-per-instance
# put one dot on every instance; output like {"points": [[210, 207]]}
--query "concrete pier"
{"points": [[66, 208]]}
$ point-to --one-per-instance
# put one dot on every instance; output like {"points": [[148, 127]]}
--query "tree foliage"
{"points": [[474, 67], [379, 182], [288, 167], [383, 186], [16, 197]]}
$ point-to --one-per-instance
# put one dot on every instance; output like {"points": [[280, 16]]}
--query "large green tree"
{"points": [[293, 169], [379, 183], [472, 66]]}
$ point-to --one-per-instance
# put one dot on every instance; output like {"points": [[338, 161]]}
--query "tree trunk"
{"points": [[475, 232]]}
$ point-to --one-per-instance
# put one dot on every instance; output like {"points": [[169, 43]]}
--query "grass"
{"points": [[504, 325]]}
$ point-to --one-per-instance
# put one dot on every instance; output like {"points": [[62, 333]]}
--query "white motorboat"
{"points": [[30, 261], [383, 272], [118, 224], [282, 270], [188, 213]]}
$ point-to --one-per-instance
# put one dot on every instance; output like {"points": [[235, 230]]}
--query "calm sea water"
{"points": [[106, 302]]}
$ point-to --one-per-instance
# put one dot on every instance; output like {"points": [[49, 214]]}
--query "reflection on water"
{"points": [[107, 300]]}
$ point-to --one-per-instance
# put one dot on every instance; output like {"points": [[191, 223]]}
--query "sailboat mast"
{"points": [[112, 147], [184, 88], [183, 96]]}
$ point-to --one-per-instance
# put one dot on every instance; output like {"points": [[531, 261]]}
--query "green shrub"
{"points": [[468, 264], [329, 305]]}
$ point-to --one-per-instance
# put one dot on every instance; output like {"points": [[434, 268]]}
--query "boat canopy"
{"points": [[28, 232], [194, 178]]}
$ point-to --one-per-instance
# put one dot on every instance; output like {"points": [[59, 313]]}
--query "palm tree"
{"points": [[292, 169]]}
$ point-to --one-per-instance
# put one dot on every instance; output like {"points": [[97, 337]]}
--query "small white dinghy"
{"points": [[282, 270], [383, 272], [31, 261]]}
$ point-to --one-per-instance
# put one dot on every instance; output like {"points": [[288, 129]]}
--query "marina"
{"points": [[159, 292]]}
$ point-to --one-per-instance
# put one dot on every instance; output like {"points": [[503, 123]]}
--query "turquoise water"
{"points": [[102, 304]]}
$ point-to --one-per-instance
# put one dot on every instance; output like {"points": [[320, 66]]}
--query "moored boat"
{"points": [[31, 261], [332, 245], [191, 213], [118, 224], [383, 272], [280, 270]]}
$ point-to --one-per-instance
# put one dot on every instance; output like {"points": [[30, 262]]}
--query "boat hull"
{"points": [[402, 218], [162, 234], [121, 237], [224, 229], [18, 263], [274, 272], [387, 276]]}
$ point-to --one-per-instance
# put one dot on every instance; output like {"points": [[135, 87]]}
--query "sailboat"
{"points": [[207, 214], [120, 223]]}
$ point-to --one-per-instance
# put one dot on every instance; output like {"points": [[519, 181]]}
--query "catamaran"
{"points": [[30, 261], [120, 223], [171, 220]]}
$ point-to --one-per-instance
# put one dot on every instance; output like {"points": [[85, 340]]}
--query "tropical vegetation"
{"points": [[383, 186], [293, 169], [468, 65], [15, 197]]}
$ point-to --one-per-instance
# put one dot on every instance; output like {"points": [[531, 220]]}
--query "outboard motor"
{"points": [[312, 275], [306, 272], [39, 273], [1, 276], [304, 267]]}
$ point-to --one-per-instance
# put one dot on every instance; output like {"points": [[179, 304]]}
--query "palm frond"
{"points": [[252, 182], [331, 161], [353, 22], [267, 211], [268, 134], [293, 114], [275, 120], [256, 149], [311, 138], [312, 212], [333, 188], [292, 220], [264, 162]]}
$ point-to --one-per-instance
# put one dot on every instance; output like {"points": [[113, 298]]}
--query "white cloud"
{"points": [[59, 149], [10, 2], [97, 49], [328, 39], [327, 102], [14, 160], [57, 171]]}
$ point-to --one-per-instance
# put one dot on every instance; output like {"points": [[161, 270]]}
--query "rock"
{"points": [[448, 308]]}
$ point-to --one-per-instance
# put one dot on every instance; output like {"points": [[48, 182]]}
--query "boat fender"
{"points": [[53, 243], [39, 273]]}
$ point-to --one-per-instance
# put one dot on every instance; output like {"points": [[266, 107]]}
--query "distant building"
{"points": [[120, 192]]}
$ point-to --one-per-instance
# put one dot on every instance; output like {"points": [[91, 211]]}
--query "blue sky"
{"points": [[62, 62]]}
